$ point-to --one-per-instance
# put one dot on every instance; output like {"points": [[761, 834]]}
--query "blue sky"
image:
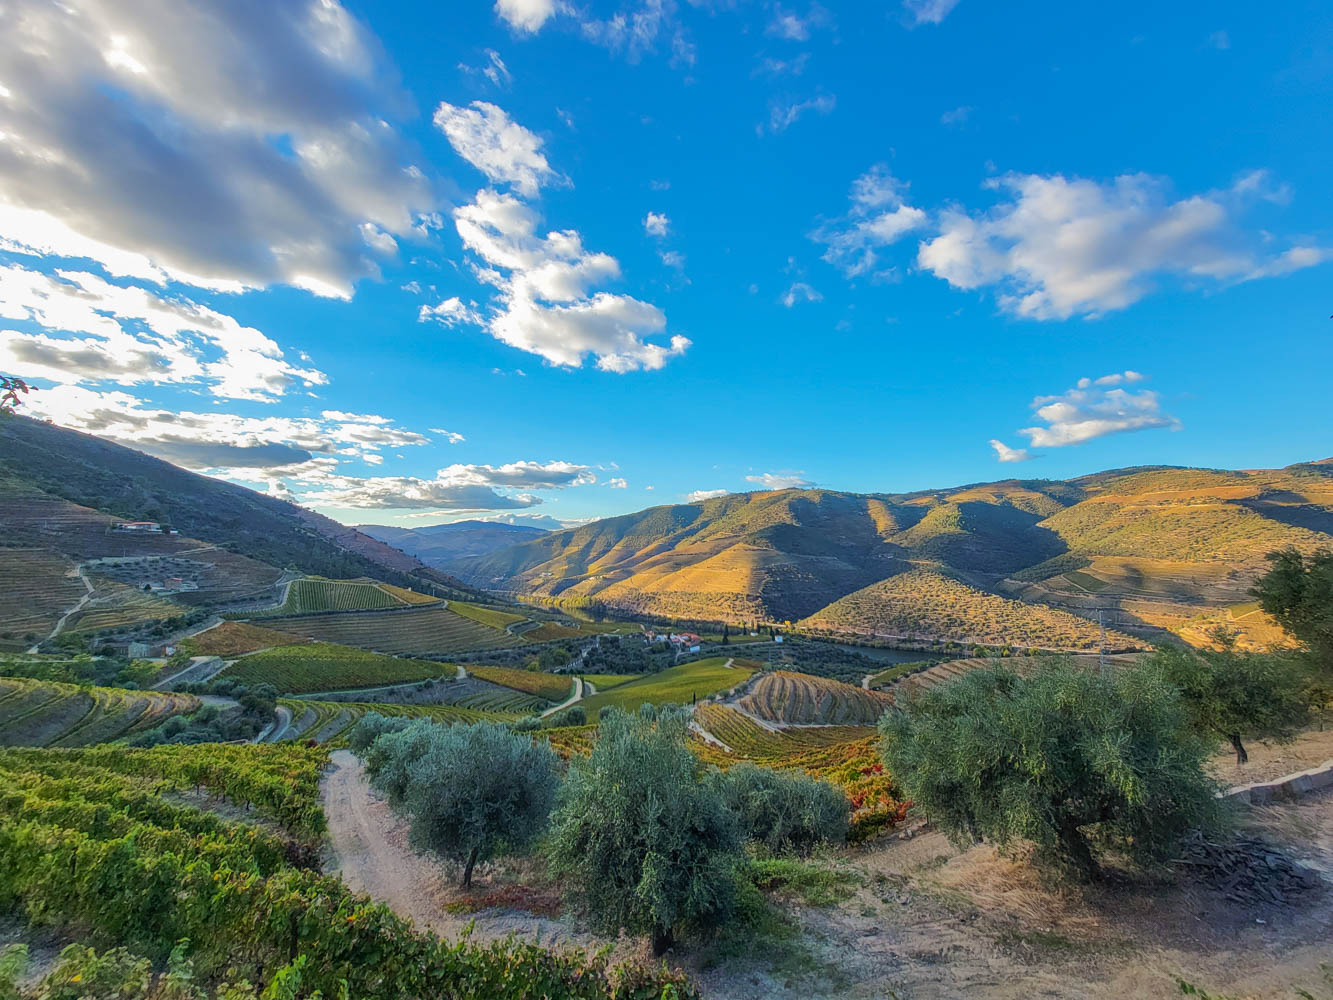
{"points": [[414, 262]]}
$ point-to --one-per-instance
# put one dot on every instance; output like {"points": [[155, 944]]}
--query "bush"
{"points": [[647, 845], [371, 727], [572, 716], [470, 792], [784, 810], [1232, 694], [1298, 593], [1065, 759]]}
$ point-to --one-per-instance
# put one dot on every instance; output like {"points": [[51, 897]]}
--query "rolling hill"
{"points": [[1026, 562], [439, 544]]}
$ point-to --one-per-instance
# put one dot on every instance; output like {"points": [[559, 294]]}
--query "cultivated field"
{"points": [[605, 682], [748, 740], [235, 639], [117, 605], [800, 699], [38, 587], [314, 593], [322, 666], [489, 617], [329, 721], [425, 630], [44, 713], [548, 686], [679, 685]]}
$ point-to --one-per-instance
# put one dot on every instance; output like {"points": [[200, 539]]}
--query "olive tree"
{"points": [[646, 843], [470, 792], [784, 810], [1065, 758], [1298, 593], [1233, 695]]}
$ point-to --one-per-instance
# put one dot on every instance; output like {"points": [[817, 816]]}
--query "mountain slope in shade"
{"points": [[1154, 545], [438, 544], [108, 477]]}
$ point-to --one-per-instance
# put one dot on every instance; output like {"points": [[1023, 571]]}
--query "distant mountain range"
{"points": [[1022, 561], [439, 544]]}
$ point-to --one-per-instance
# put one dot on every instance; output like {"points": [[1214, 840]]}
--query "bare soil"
{"points": [[1274, 760], [928, 921]]}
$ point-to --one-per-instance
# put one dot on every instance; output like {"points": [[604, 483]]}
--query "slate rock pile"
{"points": [[1247, 871]]}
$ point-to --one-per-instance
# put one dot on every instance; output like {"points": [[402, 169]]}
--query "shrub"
{"points": [[371, 727], [1298, 593], [572, 716], [648, 846], [784, 810], [470, 792], [1065, 759], [1232, 694]]}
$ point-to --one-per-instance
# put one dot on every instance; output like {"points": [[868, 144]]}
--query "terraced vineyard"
{"points": [[680, 685], [800, 699], [329, 721], [605, 682], [235, 639], [39, 586], [322, 666], [425, 630], [548, 686], [549, 631], [486, 616], [943, 673], [408, 596], [117, 605], [923, 604], [314, 593], [45, 713], [749, 740]]}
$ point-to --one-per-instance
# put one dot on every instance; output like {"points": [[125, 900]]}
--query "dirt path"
{"points": [[577, 696], [371, 854], [87, 586]]}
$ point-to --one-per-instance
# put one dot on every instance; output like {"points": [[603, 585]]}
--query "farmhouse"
{"points": [[139, 526]]}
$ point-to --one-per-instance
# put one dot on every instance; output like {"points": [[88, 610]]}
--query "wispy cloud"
{"points": [[929, 11], [800, 292], [878, 216], [780, 481], [1093, 408]]}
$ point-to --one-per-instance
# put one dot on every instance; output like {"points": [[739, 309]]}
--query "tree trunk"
{"points": [[1241, 756], [1079, 853], [663, 939], [467, 871]]}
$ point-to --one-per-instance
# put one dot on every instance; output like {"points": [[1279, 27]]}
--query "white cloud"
{"points": [[780, 481], [499, 147], [546, 302], [1061, 247], [525, 15], [451, 312], [929, 11], [1004, 453], [878, 217], [789, 25], [656, 224], [617, 484], [1220, 40], [957, 116], [494, 69], [98, 331], [700, 495], [453, 437], [782, 114], [454, 488], [1095, 408], [799, 292], [219, 145]]}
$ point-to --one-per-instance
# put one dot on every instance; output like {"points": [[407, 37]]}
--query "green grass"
{"points": [[814, 884], [322, 666], [318, 594], [605, 682], [899, 670], [1086, 581], [678, 684], [486, 616]]}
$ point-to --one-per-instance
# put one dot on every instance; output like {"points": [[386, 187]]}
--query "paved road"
{"points": [[575, 697]]}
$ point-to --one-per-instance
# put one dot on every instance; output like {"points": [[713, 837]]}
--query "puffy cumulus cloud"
{"points": [[222, 442], [451, 312], [617, 483], [1059, 247], [499, 147], [698, 496], [780, 481], [1093, 408], [546, 303], [929, 11], [878, 217], [1003, 453], [525, 15], [455, 488], [267, 126], [800, 292], [98, 331], [656, 224]]}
